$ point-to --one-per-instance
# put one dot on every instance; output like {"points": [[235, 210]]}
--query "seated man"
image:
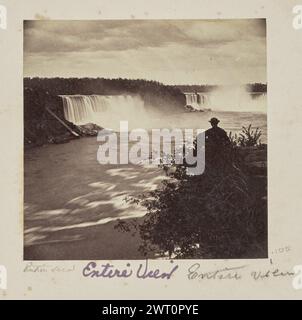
{"points": [[216, 136], [217, 145]]}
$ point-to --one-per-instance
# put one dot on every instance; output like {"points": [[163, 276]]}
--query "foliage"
{"points": [[214, 215], [256, 87], [247, 138], [196, 88], [251, 87]]}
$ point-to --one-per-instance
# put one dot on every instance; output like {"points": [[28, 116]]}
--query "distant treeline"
{"points": [[256, 87], [251, 87], [195, 88]]}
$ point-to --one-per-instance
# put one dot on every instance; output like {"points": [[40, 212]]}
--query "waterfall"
{"points": [[191, 100], [105, 111], [197, 101]]}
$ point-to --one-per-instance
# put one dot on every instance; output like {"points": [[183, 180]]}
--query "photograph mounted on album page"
{"points": [[151, 144]]}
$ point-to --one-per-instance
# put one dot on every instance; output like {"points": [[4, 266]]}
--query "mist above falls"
{"points": [[237, 99]]}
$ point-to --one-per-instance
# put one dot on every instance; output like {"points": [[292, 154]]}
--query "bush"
{"points": [[247, 138], [214, 215]]}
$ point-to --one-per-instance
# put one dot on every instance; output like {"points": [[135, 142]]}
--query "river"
{"points": [[71, 202]]}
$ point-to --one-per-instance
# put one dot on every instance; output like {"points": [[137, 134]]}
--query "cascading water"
{"points": [[197, 101], [191, 100], [105, 111]]}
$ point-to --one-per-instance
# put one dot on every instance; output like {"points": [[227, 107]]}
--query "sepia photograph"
{"points": [[145, 139]]}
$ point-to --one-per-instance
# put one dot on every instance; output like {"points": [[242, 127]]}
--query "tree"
{"points": [[213, 215]]}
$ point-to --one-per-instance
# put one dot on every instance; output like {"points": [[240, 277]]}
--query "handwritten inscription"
{"points": [[92, 270], [281, 250], [194, 272], [44, 268], [271, 273], [236, 273]]}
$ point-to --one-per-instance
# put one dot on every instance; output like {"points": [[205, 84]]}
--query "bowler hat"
{"points": [[214, 120]]}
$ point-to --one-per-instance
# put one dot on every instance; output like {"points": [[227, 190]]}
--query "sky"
{"points": [[168, 51]]}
